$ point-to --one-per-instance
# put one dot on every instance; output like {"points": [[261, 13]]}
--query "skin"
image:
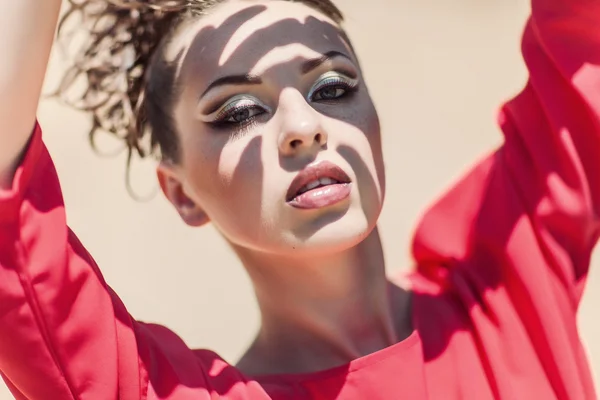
{"points": [[319, 275], [26, 35]]}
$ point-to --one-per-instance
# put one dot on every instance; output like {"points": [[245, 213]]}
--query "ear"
{"points": [[172, 187]]}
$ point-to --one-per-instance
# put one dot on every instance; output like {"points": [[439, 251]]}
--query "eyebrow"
{"points": [[247, 79], [317, 62]]}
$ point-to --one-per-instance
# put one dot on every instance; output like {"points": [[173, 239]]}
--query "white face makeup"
{"points": [[279, 137]]}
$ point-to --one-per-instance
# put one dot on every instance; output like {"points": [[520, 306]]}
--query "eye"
{"points": [[332, 86], [238, 111], [241, 115], [329, 93]]}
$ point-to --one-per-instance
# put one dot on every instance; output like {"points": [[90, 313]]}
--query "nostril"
{"points": [[295, 143], [319, 138]]}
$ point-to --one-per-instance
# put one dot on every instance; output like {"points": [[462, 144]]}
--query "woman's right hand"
{"points": [[26, 34]]}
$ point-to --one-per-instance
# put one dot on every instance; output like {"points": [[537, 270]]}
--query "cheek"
{"points": [[361, 115], [201, 157], [226, 177], [373, 133], [368, 120], [241, 171], [358, 139], [370, 126]]}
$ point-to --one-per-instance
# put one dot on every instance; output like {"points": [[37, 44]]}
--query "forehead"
{"points": [[247, 36]]}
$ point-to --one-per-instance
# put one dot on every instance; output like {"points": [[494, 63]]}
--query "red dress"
{"points": [[501, 262]]}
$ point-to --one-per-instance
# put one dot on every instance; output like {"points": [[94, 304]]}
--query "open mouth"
{"points": [[319, 185]]}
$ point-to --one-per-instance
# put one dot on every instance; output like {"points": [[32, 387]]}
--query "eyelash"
{"points": [[222, 119], [336, 82]]}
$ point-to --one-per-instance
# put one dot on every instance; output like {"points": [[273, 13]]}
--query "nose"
{"points": [[301, 127]]}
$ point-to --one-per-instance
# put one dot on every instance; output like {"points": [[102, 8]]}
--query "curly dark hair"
{"points": [[128, 84]]}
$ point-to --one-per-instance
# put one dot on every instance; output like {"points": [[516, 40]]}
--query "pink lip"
{"points": [[322, 196]]}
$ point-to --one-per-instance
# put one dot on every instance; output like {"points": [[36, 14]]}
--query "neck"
{"points": [[322, 311]]}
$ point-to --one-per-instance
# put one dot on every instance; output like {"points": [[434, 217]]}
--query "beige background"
{"points": [[438, 71]]}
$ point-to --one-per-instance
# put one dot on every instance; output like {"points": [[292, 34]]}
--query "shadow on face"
{"points": [[266, 90]]}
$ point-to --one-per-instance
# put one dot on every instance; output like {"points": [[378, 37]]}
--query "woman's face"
{"points": [[279, 138]]}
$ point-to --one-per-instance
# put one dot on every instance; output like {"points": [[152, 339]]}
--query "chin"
{"points": [[331, 233], [309, 233]]}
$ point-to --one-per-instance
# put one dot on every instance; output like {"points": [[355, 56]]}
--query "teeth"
{"points": [[316, 183], [313, 184], [326, 181]]}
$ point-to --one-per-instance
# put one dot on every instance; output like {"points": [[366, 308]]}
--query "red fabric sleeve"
{"points": [[63, 334], [512, 240]]}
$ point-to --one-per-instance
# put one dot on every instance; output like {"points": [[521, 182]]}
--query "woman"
{"points": [[265, 128]]}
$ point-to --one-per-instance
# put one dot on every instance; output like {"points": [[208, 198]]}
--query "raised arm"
{"points": [[553, 134], [64, 334], [552, 130], [26, 35], [545, 179], [511, 242]]}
